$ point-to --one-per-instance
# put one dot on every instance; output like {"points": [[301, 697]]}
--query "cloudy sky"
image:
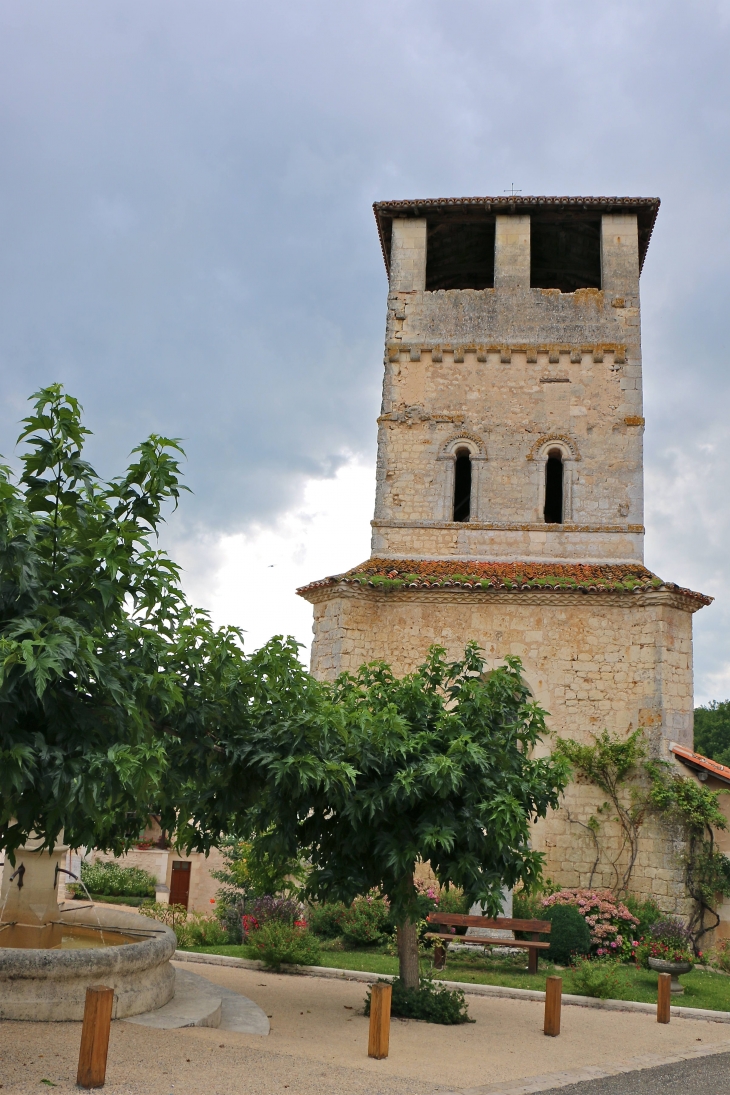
{"points": [[187, 243]]}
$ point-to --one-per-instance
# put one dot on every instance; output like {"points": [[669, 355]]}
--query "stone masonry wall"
{"points": [[511, 372], [593, 662]]}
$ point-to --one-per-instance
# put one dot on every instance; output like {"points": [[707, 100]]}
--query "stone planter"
{"points": [[675, 968]]}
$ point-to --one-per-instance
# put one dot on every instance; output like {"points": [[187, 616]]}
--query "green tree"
{"points": [[117, 698], [85, 603], [442, 770], [712, 731]]}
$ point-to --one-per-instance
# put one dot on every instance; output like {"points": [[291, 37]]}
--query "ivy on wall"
{"points": [[636, 786]]}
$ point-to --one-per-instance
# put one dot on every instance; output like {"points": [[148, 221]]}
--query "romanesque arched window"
{"points": [[554, 488], [462, 485]]}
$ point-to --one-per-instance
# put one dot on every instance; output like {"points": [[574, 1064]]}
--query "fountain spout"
{"points": [[19, 875], [29, 895]]}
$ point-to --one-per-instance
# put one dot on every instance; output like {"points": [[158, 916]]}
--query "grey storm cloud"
{"points": [[186, 239]]}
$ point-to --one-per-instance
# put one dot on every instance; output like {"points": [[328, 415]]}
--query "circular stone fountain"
{"points": [[51, 954]]}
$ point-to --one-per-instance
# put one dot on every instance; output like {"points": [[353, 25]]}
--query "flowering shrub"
{"points": [[267, 908], [325, 918], [365, 921], [720, 955], [668, 940], [609, 921], [672, 932], [248, 925], [110, 879], [667, 952]]}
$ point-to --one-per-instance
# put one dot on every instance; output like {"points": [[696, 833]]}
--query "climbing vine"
{"points": [[635, 786], [609, 763], [697, 811]]}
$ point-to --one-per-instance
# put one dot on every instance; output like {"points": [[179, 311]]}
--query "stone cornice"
{"points": [[482, 351], [683, 600], [506, 527]]}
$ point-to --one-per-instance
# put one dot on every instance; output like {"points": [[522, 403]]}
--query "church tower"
{"points": [[509, 496]]}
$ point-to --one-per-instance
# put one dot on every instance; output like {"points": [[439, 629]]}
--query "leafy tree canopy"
{"points": [[117, 699], [443, 770], [712, 731]]}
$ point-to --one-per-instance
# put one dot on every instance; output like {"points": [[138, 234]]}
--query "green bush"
{"points": [[597, 977], [428, 1002], [108, 899], [646, 912], [453, 901], [570, 935], [110, 879], [200, 931], [527, 906], [365, 922], [276, 942], [166, 914], [324, 920], [719, 956]]}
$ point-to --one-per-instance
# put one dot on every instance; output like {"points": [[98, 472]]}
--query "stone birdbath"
{"points": [[50, 954], [675, 968]]}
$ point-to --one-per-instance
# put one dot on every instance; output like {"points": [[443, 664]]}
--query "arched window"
{"points": [[554, 488], [462, 485]]}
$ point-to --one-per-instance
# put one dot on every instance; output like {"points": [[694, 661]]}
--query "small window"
{"points": [[462, 485], [554, 488]]}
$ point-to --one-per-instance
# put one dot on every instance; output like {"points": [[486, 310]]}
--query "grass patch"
{"points": [[702, 988]]}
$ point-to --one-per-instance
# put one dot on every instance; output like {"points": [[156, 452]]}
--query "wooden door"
{"points": [[180, 883]]}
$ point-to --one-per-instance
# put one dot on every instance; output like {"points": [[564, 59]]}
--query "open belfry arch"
{"points": [[509, 498]]}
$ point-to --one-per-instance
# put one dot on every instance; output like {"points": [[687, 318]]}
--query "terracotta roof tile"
{"points": [[467, 574], [697, 761]]}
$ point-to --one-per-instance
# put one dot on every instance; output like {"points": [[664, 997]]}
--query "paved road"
{"points": [[703, 1076]]}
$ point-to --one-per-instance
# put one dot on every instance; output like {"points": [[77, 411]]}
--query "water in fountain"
{"points": [[34, 920]]}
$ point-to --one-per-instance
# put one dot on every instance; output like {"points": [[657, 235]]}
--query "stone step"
{"points": [[196, 1003], [199, 1003]]}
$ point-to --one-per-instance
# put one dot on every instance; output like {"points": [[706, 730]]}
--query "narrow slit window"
{"points": [[462, 486], [554, 488]]}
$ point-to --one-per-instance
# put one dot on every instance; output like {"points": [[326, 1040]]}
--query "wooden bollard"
{"points": [[553, 1000], [663, 998], [95, 1036], [379, 1037]]}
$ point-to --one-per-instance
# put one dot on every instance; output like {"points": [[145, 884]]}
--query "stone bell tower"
{"points": [[509, 497]]}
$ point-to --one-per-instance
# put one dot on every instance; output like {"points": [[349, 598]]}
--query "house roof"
{"points": [[698, 763], [480, 209], [468, 575]]}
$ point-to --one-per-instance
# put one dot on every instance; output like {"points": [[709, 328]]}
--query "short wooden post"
{"points": [[439, 957], [95, 1036], [379, 1038], [553, 1000], [663, 997]]}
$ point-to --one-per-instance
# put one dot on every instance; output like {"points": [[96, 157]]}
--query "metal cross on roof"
{"points": [[512, 190]]}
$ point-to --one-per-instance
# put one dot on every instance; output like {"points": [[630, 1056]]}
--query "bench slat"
{"points": [[475, 941], [461, 920]]}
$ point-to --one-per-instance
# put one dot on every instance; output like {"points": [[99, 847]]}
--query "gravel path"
{"points": [[318, 1042]]}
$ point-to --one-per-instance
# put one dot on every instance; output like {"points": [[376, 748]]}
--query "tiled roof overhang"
{"points": [[471, 576], [646, 210], [698, 763]]}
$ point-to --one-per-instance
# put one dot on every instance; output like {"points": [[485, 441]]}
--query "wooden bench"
{"points": [[458, 920]]}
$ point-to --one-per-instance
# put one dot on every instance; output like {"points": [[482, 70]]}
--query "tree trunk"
{"points": [[408, 953]]}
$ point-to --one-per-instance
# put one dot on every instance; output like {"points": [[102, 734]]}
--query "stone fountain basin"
{"points": [[49, 985]]}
